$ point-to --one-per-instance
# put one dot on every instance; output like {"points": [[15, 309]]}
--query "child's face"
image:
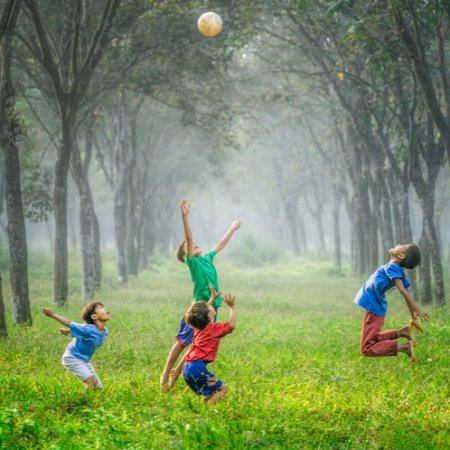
{"points": [[398, 252], [196, 249], [101, 314], [211, 313]]}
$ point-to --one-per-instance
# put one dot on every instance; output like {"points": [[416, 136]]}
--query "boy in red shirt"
{"points": [[205, 345]]}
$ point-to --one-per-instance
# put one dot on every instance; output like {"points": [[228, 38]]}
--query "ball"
{"points": [[210, 24]]}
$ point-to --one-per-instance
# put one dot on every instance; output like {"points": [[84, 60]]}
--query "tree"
{"points": [[69, 69], [9, 132]]}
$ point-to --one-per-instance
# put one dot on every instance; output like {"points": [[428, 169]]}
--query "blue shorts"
{"points": [[186, 333], [200, 379]]}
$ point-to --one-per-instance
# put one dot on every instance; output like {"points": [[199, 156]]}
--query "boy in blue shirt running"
{"points": [[87, 338], [371, 297]]}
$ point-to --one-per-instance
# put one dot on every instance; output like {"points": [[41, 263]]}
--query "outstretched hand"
{"points": [[185, 207], [422, 315], [230, 300], [214, 295], [64, 331], [48, 312]]}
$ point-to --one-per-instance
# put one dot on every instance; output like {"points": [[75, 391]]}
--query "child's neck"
{"points": [[99, 324], [394, 260]]}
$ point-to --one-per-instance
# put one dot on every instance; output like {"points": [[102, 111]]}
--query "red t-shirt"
{"points": [[206, 342]]}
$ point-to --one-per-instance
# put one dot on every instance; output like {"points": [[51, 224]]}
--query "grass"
{"points": [[295, 377]]}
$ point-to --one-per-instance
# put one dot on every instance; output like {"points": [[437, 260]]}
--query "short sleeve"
{"points": [[77, 330], [210, 255], [394, 271], [221, 329]]}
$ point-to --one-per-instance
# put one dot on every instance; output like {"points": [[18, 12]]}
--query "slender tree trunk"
{"points": [[291, 211], [89, 227], [9, 128], [131, 238], [120, 193], [337, 232], [433, 245], [3, 329], [60, 260], [425, 293]]}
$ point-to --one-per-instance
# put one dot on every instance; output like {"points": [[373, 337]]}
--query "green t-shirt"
{"points": [[203, 273]]}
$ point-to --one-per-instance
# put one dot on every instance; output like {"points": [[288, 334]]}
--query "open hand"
{"points": [[422, 314], [230, 300], [214, 295], [48, 312]]}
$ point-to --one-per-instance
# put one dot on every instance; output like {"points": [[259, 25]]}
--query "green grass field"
{"points": [[295, 378]]}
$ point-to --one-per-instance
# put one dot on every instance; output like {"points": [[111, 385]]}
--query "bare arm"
{"points": [[414, 310], [224, 241], [186, 227], [230, 300], [214, 295], [48, 312]]}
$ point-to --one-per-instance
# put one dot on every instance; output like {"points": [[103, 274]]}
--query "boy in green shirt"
{"points": [[203, 274]]}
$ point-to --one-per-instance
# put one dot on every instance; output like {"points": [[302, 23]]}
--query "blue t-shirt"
{"points": [[371, 295], [87, 338]]}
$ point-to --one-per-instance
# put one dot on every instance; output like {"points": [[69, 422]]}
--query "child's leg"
{"points": [[171, 360], [373, 341], [84, 371], [203, 382], [184, 338], [408, 348], [217, 395]]}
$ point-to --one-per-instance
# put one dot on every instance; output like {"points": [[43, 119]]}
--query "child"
{"points": [[87, 338], [371, 298], [203, 274], [205, 345]]}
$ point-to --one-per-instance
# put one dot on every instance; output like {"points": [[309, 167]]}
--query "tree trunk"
{"points": [[3, 329], [433, 245], [424, 293], [337, 233], [10, 127], [60, 260], [89, 227]]}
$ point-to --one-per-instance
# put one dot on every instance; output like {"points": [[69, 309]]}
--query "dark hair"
{"points": [[412, 257], [197, 315], [88, 310], [180, 253]]}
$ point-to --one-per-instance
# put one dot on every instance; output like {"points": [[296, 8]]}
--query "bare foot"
{"points": [[407, 332], [173, 377], [410, 351], [164, 382], [216, 395]]}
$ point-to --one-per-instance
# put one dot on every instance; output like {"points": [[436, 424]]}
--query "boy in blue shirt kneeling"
{"points": [[371, 297], [87, 338]]}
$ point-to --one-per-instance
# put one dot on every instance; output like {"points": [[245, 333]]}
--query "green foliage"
{"points": [[295, 377]]}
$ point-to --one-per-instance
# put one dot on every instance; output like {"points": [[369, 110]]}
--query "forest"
{"points": [[323, 125]]}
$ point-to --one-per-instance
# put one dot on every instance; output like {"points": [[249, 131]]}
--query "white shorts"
{"points": [[81, 369]]}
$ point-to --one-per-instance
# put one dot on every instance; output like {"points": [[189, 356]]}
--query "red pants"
{"points": [[373, 341]]}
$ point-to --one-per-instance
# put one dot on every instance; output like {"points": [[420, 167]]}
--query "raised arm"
{"points": [[230, 300], [187, 228], [214, 295], [414, 310], [224, 241], [48, 312]]}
